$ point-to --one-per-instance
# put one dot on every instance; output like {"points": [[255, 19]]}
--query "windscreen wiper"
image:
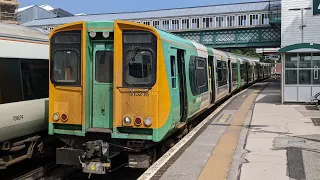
{"points": [[136, 49]]}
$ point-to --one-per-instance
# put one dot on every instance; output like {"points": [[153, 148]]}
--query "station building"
{"points": [[300, 50], [215, 17]]}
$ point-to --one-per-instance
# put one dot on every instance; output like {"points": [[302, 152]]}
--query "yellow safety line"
{"points": [[218, 165]]}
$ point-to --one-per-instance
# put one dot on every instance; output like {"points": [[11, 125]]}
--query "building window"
{"points": [[305, 60], [304, 76], [242, 20], [254, 19], [156, 24], [220, 22], [302, 68], [195, 23], [146, 23], [185, 24], [231, 21], [291, 76], [207, 23], [165, 25], [175, 24], [264, 19], [291, 61]]}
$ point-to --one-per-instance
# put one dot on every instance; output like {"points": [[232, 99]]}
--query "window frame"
{"points": [[165, 23], [207, 22], [77, 82], [7, 95], [254, 20], [220, 21], [264, 19], [242, 18], [151, 47], [156, 24], [193, 75], [67, 46], [185, 22], [173, 72], [175, 24], [195, 21], [231, 21], [96, 69]]}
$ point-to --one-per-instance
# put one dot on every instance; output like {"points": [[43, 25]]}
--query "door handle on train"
{"points": [[103, 109]]}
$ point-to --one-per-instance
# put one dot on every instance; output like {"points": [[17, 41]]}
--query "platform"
{"points": [[252, 136]]}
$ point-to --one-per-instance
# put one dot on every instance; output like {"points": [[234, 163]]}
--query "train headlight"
{"points": [[138, 121], [64, 117], [148, 122], [55, 116], [127, 120]]}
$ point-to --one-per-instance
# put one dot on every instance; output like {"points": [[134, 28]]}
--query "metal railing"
{"points": [[274, 11]]}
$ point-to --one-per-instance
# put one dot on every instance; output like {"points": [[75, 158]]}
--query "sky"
{"points": [[108, 6]]}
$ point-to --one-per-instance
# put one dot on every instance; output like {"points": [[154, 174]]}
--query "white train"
{"points": [[24, 69]]}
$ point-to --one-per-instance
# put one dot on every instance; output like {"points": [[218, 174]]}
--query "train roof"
{"points": [[21, 32]]}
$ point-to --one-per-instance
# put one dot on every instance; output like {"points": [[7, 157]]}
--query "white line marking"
{"points": [[158, 164]]}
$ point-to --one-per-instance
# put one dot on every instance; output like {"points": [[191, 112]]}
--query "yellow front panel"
{"points": [[67, 99], [134, 102]]}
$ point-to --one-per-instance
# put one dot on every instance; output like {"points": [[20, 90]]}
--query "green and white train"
{"points": [[122, 88]]}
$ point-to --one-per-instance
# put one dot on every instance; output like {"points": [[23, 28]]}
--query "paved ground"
{"points": [[254, 137], [206, 154], [282, 142]]}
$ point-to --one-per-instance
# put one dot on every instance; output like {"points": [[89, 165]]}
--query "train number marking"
{"points": [[139, 93], [17, 118]]}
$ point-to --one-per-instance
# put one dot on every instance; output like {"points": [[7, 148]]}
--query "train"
{"points": [[24, 92], [118, 90]]}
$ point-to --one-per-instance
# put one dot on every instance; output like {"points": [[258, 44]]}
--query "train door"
{"points": [[212, 79], [179, 94], [102, 86]]}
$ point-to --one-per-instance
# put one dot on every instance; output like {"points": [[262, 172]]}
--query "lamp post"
{"points": [[303, 25]]}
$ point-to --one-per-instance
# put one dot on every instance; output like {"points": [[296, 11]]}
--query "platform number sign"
{"points": [[316, 7]]}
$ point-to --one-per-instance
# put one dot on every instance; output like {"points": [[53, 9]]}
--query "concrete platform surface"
{"points": [[253, 137], [282, 142]]}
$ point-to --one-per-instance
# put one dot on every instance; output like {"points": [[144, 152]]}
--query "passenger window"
{"points": [[234, 72], [35, 75], [173, 72], [139, 59], [222, 73], [23, 79], [65, 66], [10, 81], [104, 66], [198, 75], [140, 68]]}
